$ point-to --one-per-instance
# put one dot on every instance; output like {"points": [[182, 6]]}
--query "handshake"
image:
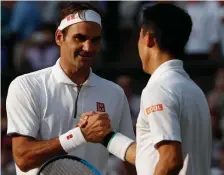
{"points": [[94, 126]]}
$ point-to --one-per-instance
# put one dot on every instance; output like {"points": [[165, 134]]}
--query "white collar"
{"points": [[61, 77], [171, 64]]}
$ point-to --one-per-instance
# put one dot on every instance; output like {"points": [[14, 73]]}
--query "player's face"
{"points": [[142, 49], [81, 44]]}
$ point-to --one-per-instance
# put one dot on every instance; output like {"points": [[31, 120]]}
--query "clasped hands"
{"points": [[94, 126]]}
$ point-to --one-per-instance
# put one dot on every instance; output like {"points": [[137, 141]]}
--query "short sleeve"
{"points": [[126, 125], [22, 108], [161, 109]]}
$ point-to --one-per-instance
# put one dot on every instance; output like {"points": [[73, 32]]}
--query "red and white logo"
{"points": [[100, 107], [69, 136], [70, 17], [154, 108]]}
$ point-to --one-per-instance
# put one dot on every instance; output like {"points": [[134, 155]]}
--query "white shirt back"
{"points": [[42, 105], [174, 108]]}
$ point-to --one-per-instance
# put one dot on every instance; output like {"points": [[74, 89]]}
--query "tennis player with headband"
{"points": [[44, 107], [174, 126]]}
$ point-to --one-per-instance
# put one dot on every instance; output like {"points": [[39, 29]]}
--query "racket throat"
{"points": [[76, 101]]}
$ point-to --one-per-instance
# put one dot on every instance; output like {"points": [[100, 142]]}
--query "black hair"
{"points": [[170, 25]]}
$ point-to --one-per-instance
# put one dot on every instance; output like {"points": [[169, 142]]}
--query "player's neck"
{"points": [[78, 76], [159, 59]]}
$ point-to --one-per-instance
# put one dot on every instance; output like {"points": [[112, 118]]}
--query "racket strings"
{"points": [[66, 167]]}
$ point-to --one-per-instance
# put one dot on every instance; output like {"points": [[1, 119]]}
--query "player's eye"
{"points": [[96, 39], [80, 38]]}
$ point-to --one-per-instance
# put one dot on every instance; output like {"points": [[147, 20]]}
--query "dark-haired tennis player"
{"points": [[173, 127], [43, 107]]}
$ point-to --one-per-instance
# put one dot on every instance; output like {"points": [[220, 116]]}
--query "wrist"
{"points": [[117, 144], [72, 139], [107, 138]]}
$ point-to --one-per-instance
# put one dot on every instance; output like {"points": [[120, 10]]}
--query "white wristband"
{"points": [[118, 145], [72, 139]]}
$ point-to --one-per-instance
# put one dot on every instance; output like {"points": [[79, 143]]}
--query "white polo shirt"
{"points": [[174, 108], [42, 105]]}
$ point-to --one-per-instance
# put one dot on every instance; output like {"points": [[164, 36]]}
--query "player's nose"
{"points": [[88, 46]]}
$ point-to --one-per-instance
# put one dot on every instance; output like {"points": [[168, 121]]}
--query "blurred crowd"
{"points": [[28, 44]]}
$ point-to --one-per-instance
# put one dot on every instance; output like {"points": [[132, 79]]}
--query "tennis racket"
{"points": [[67, 165]]}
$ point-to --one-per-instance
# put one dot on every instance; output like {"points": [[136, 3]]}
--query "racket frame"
{"points": [[66, 156]]}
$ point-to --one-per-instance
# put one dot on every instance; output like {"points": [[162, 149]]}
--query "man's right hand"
{"points": [[95, 126]]}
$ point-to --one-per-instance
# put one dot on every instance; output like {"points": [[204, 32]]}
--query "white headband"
{"points": [[88, 15]]}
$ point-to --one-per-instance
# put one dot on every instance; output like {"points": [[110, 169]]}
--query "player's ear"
{"points": [[150, 40], [59, 37]]}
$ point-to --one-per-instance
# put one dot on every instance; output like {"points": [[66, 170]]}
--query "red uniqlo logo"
{"points": [[69, 136], [100, 107], [70, 17], [154, 108]]}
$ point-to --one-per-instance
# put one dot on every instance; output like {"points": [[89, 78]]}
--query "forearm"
{"points": [[170, 158], [130, 155], [30, 153], [121, 146], [166, 168], [34, 153]]}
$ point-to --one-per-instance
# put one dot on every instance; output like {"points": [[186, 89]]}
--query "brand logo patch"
{"points": [[69, 136], [70, 17], [154, 108], [100, 107]]}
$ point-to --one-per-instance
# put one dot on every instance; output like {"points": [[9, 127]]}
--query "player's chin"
{"points": [[87, 60], [85, 64], [144, 69]]}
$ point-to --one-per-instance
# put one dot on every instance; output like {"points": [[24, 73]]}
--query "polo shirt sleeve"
{"points": [[22, 108], [162, 112], [126, 125]]}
